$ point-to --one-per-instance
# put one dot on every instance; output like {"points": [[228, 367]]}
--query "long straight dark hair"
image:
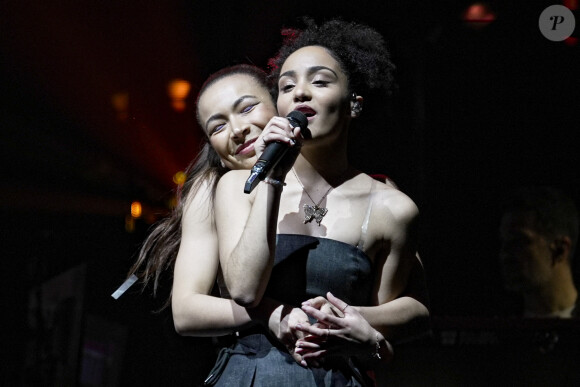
{"points": [[159, 250]]}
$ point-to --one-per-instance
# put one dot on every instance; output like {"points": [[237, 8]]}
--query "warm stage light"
{"points": [[179, 178], [136, 209], [478, 15], [120, 102], [178, 90]]}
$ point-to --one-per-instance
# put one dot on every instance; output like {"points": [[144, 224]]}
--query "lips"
{"points": [[246, 147], [306, 110]]}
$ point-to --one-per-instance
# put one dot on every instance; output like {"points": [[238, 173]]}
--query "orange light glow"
{"points": [[478, 15], [179, 178], [120, 102], [136, 209], [178, 90]]}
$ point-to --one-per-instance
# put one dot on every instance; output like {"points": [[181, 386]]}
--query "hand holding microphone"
{"points": [[273, 153]]}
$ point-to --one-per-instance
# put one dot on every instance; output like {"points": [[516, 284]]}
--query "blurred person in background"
{"points": [[538, 234]]}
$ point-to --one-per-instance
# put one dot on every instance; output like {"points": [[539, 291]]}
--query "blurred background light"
{"points": [[178, 90], [478, 15], [120, 102], [136, 209], [179, 178]]}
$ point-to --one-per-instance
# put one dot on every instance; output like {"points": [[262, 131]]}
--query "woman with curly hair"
{"points": [[318, 229]]}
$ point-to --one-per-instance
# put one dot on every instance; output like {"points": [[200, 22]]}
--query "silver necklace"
{"points": [[315, 211]]}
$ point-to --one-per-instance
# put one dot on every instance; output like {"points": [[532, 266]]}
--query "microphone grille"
{"points": [[299, 118]]}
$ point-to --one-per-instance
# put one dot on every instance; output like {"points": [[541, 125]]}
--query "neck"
{"points": [[560, 295], [326, 160], [311, 174]]}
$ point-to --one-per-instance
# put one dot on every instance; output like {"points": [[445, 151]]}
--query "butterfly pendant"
{"points": [[314, 212]]}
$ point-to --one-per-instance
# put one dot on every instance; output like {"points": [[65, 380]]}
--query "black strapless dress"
{"points": [[305, 267]]}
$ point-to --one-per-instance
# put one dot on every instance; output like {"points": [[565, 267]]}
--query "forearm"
{"points": [[204, 315], [248, 267], [401, 319]]}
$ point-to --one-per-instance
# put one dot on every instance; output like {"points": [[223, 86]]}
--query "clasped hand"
{"points": [[339, 330]]}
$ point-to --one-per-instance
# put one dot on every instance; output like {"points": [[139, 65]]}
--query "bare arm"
{"points": [[401, 299], [247, 223], [246, 226], [407, 316], [195, 312], [401, 309], [403, 318]]}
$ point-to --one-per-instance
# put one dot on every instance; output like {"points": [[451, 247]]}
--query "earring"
{"points": [[222, 164], [356, 105]]}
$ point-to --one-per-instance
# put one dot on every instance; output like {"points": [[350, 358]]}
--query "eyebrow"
{"points": [[311, 70], [236, 103]]}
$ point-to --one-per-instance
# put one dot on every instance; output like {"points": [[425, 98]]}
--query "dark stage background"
{"points": [[482, 108]]}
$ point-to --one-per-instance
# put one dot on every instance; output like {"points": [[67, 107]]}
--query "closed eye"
{"points": [[287, 88], [249, 108], [216, 129]]}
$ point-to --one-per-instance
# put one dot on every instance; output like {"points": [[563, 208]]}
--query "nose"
{"points": [[240, 130], [302, 92]]}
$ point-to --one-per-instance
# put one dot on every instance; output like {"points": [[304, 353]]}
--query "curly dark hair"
{"points": [[159, 250], [360, 50]]}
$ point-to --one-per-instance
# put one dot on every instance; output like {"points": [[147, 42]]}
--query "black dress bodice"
{"points": [[306, 267]]}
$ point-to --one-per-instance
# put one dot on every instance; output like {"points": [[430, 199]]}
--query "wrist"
{"points": [[376, 354], [382, 349], [278, 183]]}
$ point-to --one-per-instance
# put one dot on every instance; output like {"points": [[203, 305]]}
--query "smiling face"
{"points": [[233, 111], [311, 81]]}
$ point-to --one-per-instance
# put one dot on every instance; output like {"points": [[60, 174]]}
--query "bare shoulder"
{"points": [[234, 176], [232, 181], [198, 205], [394, 203], [231, 188]]}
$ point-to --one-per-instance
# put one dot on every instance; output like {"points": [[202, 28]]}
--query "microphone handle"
{"points": [[273, 153]]}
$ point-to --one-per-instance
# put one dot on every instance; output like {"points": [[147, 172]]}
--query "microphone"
{"points": [[273, 153]]}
